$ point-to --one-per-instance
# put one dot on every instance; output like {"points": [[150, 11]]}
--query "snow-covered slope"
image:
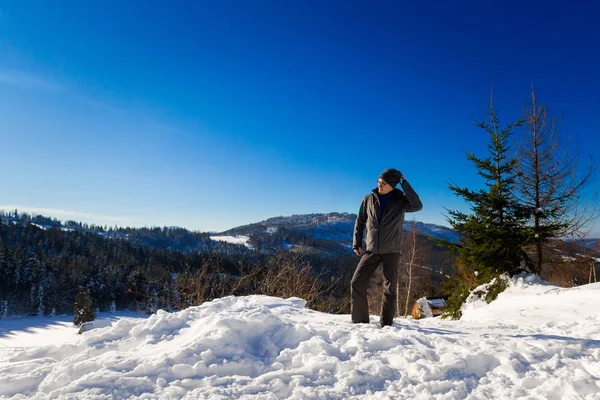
{"points": [[325, 234], [535, 342], [234, 239]]}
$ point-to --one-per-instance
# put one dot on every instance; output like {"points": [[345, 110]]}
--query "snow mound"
{"points": [[530, 300], [262, 348], [227, 337]]}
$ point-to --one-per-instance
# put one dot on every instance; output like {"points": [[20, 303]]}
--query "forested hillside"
{"points": [[44, 263]]}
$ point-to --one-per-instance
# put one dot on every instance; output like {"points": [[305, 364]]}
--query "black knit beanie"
{"points": [[391, 176]]}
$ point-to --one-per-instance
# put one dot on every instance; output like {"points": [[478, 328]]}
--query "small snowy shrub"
{"points": [[496, 287], [83, 307], [486, 292]]}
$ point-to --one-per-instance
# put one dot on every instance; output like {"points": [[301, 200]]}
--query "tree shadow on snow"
{"points": [[13, 326], [585, 343], [428, 330], [10, 327]]}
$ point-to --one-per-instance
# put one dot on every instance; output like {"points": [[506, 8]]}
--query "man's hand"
{"points": [[358, 251], [402, 177]]}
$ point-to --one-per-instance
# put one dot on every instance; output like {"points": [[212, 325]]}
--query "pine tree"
{"points": [[494, 233], [40, 310], [4, 310], [83, 307]]}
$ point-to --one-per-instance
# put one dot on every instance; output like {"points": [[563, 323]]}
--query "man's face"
{"points": [[383, 187]]}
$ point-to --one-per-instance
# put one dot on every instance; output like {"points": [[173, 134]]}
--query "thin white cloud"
{"points": [[29, 81], [61, 214], [25, 80]]}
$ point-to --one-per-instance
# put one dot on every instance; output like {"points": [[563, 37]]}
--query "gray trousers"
{"points": [[361, 281]]}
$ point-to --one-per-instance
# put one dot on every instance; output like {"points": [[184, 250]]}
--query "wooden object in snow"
{"points": [[428, 307]]}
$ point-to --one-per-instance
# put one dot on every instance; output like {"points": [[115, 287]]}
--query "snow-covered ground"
{"points": [[235, 239], [35, 331], [535, 342]]}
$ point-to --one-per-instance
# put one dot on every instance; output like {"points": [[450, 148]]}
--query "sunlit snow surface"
{"points": [[535, 342], [235, 239]]}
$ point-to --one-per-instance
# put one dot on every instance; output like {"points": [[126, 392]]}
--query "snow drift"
{"points": [[536, 341]]}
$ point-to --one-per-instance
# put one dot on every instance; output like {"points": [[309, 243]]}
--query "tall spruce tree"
{"points": [[494, 233]]}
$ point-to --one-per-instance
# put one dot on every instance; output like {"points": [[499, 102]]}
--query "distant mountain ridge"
{"points": [[327, 234], [592, 244], [332, 226]]}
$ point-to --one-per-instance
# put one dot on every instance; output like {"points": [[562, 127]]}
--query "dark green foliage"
{"points": [[498, 286], [494, 234], [459, 293], [83, 310], [461, 289]]}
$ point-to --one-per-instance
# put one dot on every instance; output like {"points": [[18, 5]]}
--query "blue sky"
{"points": [[214, 114]]}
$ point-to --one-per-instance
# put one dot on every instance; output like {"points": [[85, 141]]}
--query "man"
{"points": [[382, 214]]}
